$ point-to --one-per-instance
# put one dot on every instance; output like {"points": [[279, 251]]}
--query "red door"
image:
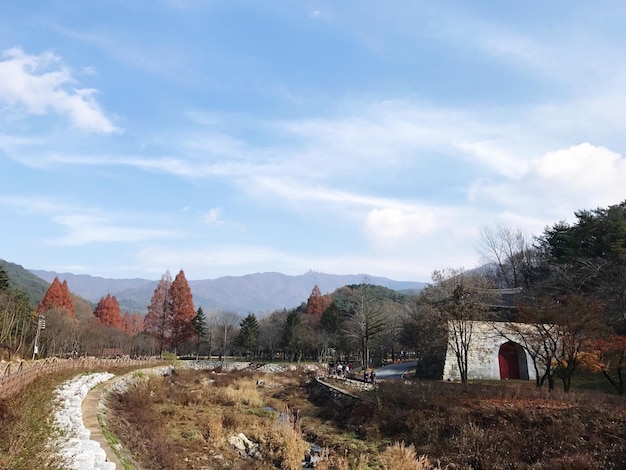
{"points": [[508, 358]]}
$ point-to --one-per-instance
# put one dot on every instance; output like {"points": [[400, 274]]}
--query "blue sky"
{"points": [[235, 137]]}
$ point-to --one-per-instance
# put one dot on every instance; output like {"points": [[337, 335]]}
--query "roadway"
{"points": [[394, 371]]}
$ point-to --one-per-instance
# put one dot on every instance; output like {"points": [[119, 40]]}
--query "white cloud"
{"points": [[86, 229], [39, 83], [582, 166], [213, 217], [395, 225], [82, 227], [557, 184], [491, 155]]}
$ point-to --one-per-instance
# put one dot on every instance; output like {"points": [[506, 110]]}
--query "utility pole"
{"points": [[41, 325]]}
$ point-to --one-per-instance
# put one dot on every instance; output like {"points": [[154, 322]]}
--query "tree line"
{"points": [[567, 285]]}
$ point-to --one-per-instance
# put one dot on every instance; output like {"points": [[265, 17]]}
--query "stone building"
{"points": [[495, 353]]}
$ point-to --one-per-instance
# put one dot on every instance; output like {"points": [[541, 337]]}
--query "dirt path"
{"points": [[89, 409]]}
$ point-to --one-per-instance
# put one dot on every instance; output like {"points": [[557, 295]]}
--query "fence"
{"points": [[15, 376]]}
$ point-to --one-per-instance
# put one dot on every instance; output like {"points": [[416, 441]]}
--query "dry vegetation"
{"points": [[495, 426], [26, 423], [184, 422]]}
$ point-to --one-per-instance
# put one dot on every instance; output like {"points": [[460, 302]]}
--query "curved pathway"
{"points": [[90, 409], [394, 371]]}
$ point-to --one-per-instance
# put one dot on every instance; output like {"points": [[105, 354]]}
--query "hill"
{"points": [[22, 279], [35, 288], [258, 293]]}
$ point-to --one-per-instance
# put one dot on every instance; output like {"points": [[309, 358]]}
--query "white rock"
{"points": [[75, 445]]}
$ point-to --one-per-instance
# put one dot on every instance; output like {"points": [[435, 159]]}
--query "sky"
{"points": [[233, 137]]}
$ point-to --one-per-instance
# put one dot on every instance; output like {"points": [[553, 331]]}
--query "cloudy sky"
{"points": [[235, 137]]}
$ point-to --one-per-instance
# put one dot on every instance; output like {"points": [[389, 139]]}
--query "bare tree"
{"points": [[367, 320], [510, 253], [460, 298], [271, 332], [226, 330], [16, 321], [61, 336], [564, 329]]}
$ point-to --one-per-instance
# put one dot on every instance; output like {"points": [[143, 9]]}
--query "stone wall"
{"points": [[483, 360]]}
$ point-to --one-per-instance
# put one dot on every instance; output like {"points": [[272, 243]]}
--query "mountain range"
{"points": [[259, 293]]}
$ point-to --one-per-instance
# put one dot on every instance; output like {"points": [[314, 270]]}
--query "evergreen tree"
{"points": [[199, 325], [333, 319], [4, 279], [248, 338], [291, 335]]}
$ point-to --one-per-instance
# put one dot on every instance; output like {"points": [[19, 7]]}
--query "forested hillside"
{"points": [[33, 286]]}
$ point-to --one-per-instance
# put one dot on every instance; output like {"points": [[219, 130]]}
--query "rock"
{"points": [[77, 449], [245, 446]]}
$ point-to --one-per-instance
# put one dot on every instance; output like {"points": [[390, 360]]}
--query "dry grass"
{"points": [[401, 457], [427, 425], [241, 392], [181, 421], [26, 425]]}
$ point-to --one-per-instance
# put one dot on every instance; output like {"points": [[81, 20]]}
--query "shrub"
{"points": [[400, 457]]}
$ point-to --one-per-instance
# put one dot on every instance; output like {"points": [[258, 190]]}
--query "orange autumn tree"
{"points": [[132, 324], [317, 302], [607, 356], [183, 310], [108, 312], [158, 320], [57, 297], [171, 311]]}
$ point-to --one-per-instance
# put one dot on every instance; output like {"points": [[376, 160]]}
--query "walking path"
{"points": [[90, 408]]}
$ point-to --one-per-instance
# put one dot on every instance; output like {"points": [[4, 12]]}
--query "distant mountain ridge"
{"points": [[258, 293]]}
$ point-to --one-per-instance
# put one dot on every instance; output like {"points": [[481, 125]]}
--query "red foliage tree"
{"points": [[183, 310], [317, 302], [132, 324], [57, 297], [158, 320], [108, 312]]}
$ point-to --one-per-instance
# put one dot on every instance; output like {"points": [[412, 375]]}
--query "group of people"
{"points": [[344, 369], [369, 377]]}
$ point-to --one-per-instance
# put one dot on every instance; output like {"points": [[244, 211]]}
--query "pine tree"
{"points": [[57, 297], [108, 312], [159, 317], [291, 335], [199, 325], [4, 279], [183, 310], [248, 338]]}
